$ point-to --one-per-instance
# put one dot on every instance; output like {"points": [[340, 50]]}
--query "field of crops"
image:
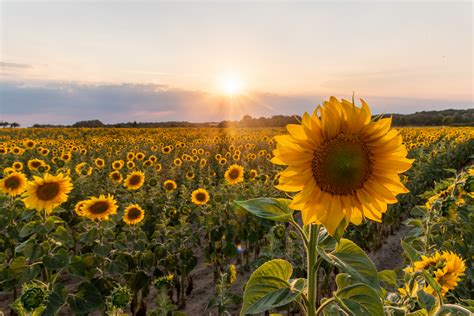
{"points": [[118, 221]]}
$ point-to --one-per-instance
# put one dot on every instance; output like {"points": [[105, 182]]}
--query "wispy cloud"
{"points": [[68, 102], [9, 65]]}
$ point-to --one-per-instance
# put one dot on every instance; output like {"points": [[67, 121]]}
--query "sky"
{"points": [[64, 61]]}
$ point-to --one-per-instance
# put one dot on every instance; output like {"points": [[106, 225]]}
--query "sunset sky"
{"points": [[61, 62]]}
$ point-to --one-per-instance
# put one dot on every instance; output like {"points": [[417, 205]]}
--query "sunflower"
{"points": [[13, 184], [200, 196], [135, 180], [342, 163], [79, 208], [34, 164], [17, 165], [83, 169], [99, 162], [446, 268], [117, 164], [48, 192], [116, 176], [253, 174], [133, 214], [234, 174], [99, 207], [169, 185]]}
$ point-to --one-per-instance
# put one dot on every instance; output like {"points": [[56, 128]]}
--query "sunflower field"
{"points": [[117, 221]]}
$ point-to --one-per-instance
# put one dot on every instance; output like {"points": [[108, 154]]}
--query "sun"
{"points": [[230, 85]]}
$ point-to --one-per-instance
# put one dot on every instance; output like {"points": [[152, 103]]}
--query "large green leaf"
{"points": [[352, 259], [86, 299], [269, 287], [273, 209], [411, 252], [361, 299]]}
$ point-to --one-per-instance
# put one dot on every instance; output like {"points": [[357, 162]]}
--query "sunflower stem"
{"points": [[312, 268]]}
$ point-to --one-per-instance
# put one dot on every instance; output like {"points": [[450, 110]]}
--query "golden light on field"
{"points": [[230, 85]]}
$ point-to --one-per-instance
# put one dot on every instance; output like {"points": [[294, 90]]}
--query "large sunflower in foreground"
{"points": [[99, 207], [234, 174], [133, 214], [200, 196], [342, 163], [13, 184], [135, 180], [48, 192]]}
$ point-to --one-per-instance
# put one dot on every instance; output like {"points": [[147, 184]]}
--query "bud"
{"points": [[120, 297]]}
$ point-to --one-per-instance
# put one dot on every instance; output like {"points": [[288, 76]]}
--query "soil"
{"points": [[389, 256]]}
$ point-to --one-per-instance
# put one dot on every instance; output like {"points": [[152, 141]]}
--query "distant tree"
{"points": [[90, 124], [4, 124], [14, 124]]}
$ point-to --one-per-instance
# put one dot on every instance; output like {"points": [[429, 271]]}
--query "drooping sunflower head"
{"points": [[234, 174], [343, 164], [169, 185], [99, 208], [133, 214], [200, 196], [13, 184], [48, 192], [135, 180]]}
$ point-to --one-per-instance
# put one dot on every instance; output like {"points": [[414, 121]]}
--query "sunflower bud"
{"points": [[279, 231], [33, 297], [121, 297]]}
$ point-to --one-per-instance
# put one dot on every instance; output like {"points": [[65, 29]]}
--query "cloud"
{"points": [[68, 102], [14, 65]]}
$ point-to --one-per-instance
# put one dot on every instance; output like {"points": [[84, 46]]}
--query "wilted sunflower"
{"points": [[135, 180], [342, 163], [48, 192], [133, 214], [200, 196], [234, 174], [99, 207], [13, 184], [170, 185]]}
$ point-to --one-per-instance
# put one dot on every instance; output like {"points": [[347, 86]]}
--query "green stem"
{"points": [[323, 305], [312, 269], [300, 231]]}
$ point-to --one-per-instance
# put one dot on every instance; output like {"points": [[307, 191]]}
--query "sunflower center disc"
{"points": [[342, 165], [201, 197], [12, 183], [134, 213], [99, 207], [47, 191], [234, 174], [134, 180]]}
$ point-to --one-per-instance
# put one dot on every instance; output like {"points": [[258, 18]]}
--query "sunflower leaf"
{"points": [[268, 208], [269, 287], [355, 262]]}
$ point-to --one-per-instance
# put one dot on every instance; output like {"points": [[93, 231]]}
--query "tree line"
{"points": [[424, 118]]}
